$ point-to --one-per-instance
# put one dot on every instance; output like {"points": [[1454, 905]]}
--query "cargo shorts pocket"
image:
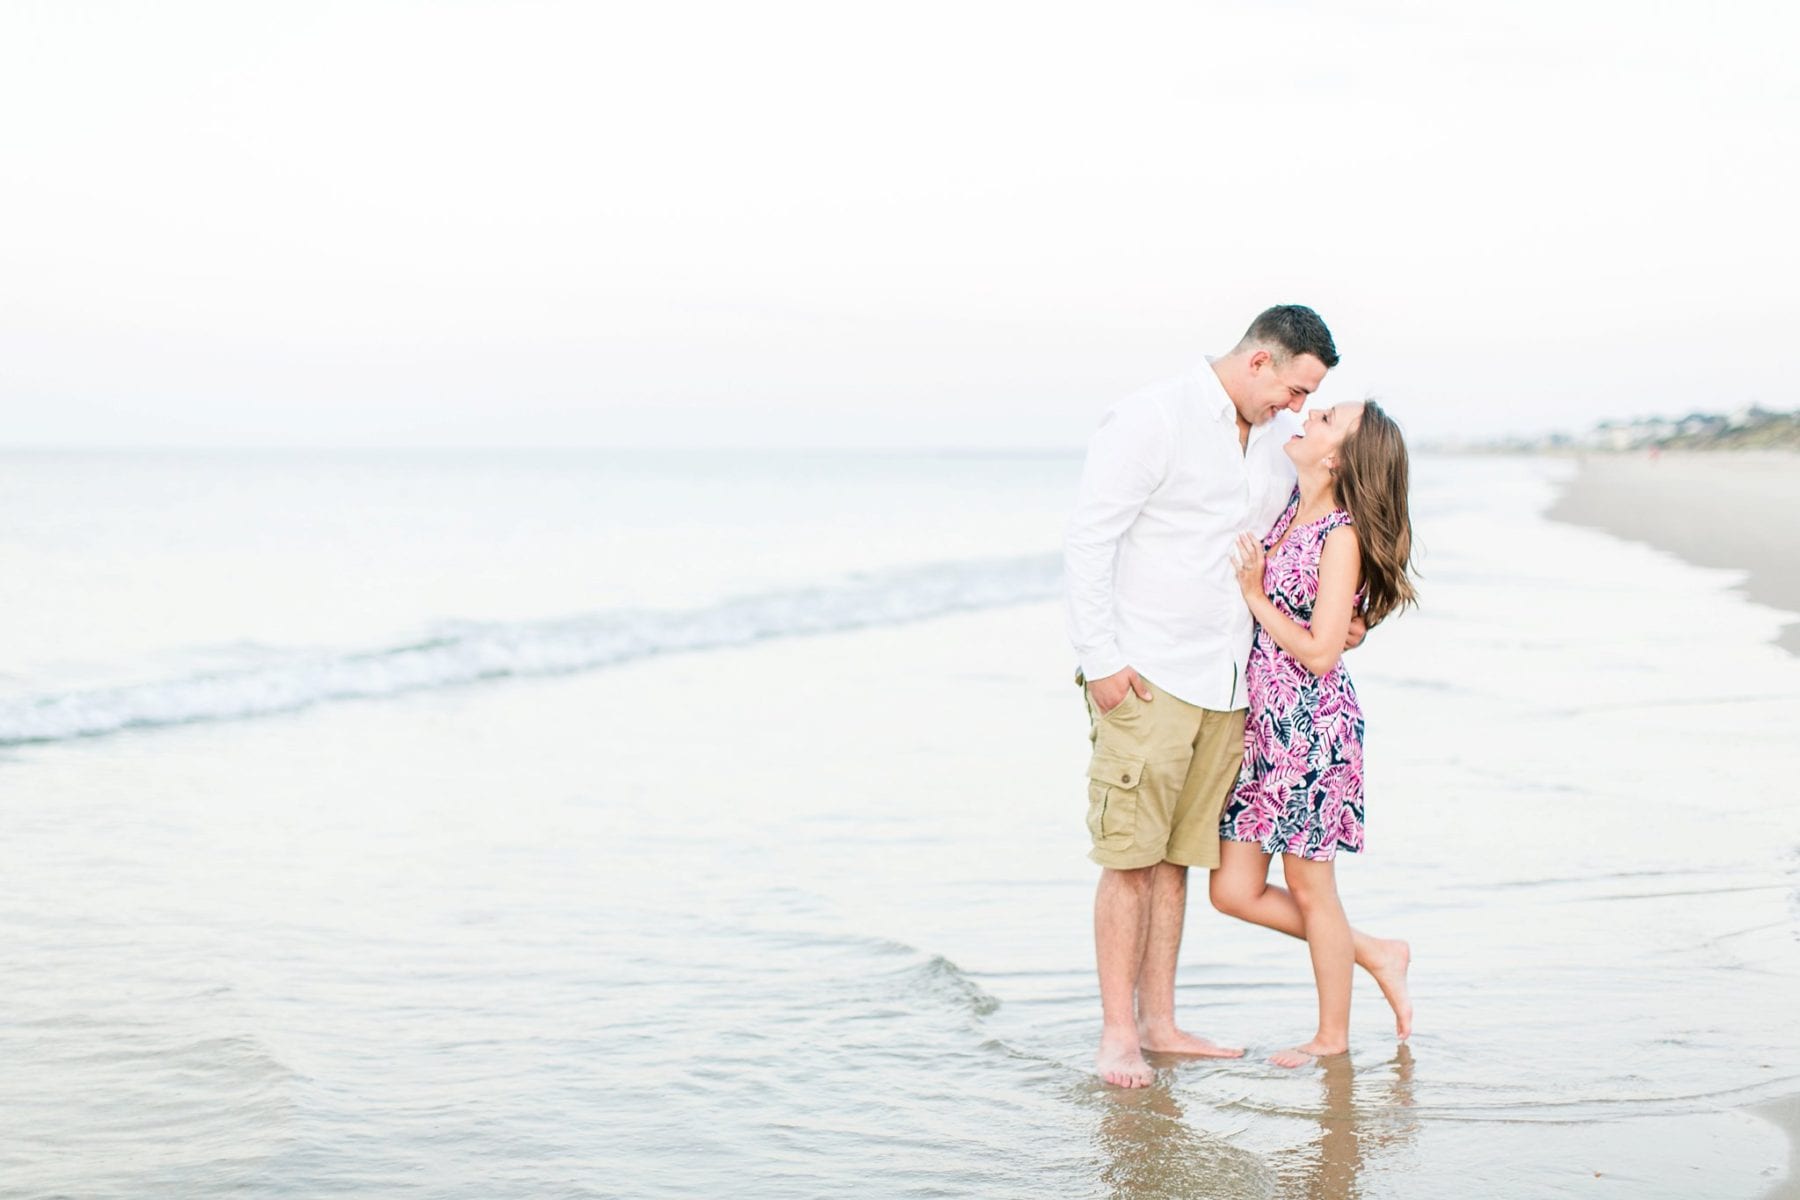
{"points": [[1113, 780]]}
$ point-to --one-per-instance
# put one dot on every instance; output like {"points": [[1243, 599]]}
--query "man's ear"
{"points": [[1259, 360]]}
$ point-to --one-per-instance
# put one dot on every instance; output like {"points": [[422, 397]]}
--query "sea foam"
{"points": [[463, 653]]}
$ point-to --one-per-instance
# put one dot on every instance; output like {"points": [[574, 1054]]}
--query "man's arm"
{"points": [[1126, 461]]}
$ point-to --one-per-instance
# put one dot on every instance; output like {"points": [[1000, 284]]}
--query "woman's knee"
{"points": [[1312, 887], [1233, 897]]}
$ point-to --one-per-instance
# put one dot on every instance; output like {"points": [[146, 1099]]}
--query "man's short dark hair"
{"points": [[1295, 329]]}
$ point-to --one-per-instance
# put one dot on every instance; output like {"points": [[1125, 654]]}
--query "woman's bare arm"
{"points": [[1318, 648]]}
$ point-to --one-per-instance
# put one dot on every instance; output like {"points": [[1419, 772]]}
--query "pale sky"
{"points": [[842, 224]]}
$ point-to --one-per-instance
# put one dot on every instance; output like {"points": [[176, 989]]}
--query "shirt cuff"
{"points": [[1101, 663]]}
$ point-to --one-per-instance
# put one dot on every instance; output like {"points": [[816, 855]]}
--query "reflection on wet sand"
{"points": [[1148, 1152], [1147, 1149], [1352, 1126]]}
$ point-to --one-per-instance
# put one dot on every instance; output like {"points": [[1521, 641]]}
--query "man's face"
{"points": [[1274, 388]]}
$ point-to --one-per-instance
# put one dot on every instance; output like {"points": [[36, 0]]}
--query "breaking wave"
{"points": [[469, 652]]}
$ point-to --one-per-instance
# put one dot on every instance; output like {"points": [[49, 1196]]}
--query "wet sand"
{"points": [[1734, 510], [1785, 1115]]}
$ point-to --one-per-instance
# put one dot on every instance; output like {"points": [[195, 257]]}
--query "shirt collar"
{"points": [[1212, 393]]}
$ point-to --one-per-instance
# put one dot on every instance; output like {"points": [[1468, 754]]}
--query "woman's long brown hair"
{"points": [[1371, 485]]}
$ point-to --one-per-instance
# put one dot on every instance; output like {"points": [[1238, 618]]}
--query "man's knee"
{"points": [[1134, 879]]}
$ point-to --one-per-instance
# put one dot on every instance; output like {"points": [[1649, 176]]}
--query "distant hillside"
{"points": [[1748, 429]]}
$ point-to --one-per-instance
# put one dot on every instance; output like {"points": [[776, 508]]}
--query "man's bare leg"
{"points": [[1121, 920], [1240, 888], [1156, 1028]]}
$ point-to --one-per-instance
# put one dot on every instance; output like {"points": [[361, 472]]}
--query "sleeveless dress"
{"points": [[1300, 790]]}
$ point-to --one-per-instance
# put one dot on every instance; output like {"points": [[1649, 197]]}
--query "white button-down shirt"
{"points": [[1164, 493]]}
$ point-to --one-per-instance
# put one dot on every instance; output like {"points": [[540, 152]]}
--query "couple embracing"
{"points": [[1223, 556]]}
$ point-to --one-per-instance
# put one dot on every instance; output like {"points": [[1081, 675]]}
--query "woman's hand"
{"points": [[1249, 559]]}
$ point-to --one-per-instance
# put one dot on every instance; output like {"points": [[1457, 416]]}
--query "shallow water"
{"points": [[808, 916]]}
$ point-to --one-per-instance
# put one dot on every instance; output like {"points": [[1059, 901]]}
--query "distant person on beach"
{"points": [[1173, 475], [1340, 549]]}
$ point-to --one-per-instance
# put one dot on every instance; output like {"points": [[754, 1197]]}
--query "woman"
{"points": [[1342, 545]]}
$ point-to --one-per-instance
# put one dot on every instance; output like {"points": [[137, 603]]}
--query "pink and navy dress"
{"points": [[1300, 790]]}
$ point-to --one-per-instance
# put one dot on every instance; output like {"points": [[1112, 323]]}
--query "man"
{"points": [[1173, 475]]}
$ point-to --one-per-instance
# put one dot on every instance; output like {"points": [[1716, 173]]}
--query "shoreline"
{"points": [[1710, 509]]}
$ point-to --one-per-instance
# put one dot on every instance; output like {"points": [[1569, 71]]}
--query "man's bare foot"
{"points": [[1389, 970], [1120, 1061], [1312, 1051], [1169, 1040]]}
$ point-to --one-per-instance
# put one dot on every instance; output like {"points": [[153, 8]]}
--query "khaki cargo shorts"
{"points": [[1159, 776]]}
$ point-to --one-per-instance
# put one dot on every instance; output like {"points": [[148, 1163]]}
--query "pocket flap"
{"points": [[1115, 769]]}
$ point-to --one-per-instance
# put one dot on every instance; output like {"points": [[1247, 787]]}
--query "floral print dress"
{"points": [[1300, 790]]}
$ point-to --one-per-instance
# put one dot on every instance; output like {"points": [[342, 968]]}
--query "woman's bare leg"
{"points": [[1240, 888], [1333, 949]]}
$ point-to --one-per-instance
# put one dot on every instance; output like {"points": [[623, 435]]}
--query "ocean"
{"points": [[572, 823]]}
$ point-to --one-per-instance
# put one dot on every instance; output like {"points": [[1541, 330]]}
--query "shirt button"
{"points": [[1125, 778]]}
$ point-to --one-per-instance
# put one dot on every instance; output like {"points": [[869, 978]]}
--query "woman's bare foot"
{"points": [[1389, 969], [1167, 1039], [1121, 1062], [1312, 1051]]}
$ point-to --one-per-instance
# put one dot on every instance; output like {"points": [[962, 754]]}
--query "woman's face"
{"points": [[1326, 429]]}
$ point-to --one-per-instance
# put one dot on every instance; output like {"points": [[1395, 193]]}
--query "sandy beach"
{"points": [[1730, 510], [811, 916]]}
